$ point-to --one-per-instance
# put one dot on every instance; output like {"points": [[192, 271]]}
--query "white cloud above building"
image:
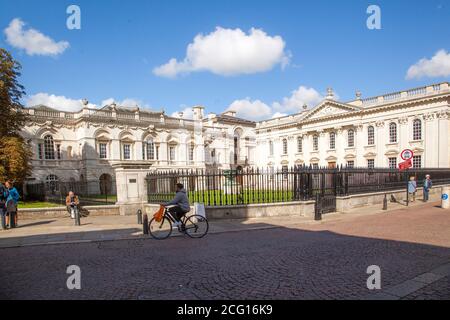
{"points": [[229, 52], [437, 66], [32, 41]]}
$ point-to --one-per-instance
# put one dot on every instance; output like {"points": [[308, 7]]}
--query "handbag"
{"points": [[159, 214]]}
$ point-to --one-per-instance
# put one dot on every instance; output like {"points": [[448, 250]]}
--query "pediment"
{"points": [[330, 108]]}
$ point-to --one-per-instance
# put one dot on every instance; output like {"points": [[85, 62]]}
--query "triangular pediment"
{"points": [[329, 108]]}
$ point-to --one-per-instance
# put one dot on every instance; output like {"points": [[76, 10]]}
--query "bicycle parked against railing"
{"points": [[195, 226]]}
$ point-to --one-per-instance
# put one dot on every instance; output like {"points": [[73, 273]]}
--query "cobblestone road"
{"points": [[318, 261]]}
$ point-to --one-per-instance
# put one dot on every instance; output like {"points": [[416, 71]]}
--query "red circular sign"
{"points": [[407, 154]]}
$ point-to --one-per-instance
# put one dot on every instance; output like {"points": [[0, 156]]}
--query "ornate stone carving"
{"points": [[429, 116], [403, 120], [379, 124], [442, 115]]}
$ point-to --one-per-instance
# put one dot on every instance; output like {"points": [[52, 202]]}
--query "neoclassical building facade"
{"points": [[365, 132]]}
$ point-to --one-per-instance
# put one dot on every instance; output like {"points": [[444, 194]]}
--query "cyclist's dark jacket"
{"points": [[180, 200]]}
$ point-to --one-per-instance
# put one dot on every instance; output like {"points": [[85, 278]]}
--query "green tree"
{"points": [[15, 153]]}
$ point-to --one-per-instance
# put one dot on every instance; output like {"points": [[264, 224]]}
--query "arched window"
{"points": [[299, 144], [417, 129], [285, 146], [49, 148], [370, 135], [315, 142], [51, 182], [392, 132], [351, 138], [332, 140]]}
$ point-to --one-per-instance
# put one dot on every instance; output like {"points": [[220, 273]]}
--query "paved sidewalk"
{"points": [[103, 228]]}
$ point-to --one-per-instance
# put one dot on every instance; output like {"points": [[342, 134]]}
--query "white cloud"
{"points": [[248, 109], [299, 97], [278, 115], [127, 103], [229, 52], [437, 66], [57, 102], [188, 113], [67, 104], [32, 41]]}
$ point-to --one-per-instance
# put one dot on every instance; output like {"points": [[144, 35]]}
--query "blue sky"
{"points": [[327, 44]]}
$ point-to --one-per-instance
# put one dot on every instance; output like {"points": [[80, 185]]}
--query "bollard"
{"points": [[317, 209], [139, 216], [77, 216], [385, 202], [445, 201], [145, 224], [12, 219]]}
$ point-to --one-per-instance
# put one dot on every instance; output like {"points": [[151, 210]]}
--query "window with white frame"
{"points": [[191, 152], [102, 150], [332, 140], [49, 148], [285, 146], [51, 182], [40, 151], [150, 149], [351, 138], [350, 163], [393, 163], [417, 161], [315, 142], [172, 153], [299, 144], [126, 149], [392, 132], [417, 129], [370, 163], [370, 135], [58, 151]]}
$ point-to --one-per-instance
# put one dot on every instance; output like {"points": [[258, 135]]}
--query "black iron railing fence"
{"points": [[255, 185], [91, 192]]}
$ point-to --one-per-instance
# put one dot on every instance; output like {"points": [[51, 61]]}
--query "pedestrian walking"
{"points": [[427, 185], [412, 188], [3, 197]]}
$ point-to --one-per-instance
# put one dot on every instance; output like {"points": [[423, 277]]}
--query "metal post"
{"points": [[139, 216], [77, 216], [145, 224], [317, 208], [407, 191], [385, 202]]}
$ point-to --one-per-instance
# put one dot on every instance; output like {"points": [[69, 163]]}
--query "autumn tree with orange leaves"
{"points": [[15, 153]]}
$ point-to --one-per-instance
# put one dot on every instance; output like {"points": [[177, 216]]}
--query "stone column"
{"points": [[380, 144], [444, 147], [131, 186], [431, 131], [360, 139], [404, 136]]}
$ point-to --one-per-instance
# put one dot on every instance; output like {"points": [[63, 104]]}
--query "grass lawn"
{"points": [[37, 204]]}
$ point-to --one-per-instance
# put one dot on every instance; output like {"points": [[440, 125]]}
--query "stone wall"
{"points": [[61, 212]]}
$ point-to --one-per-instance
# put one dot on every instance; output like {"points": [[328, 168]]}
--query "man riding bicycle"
{"points": [[180, 204]]}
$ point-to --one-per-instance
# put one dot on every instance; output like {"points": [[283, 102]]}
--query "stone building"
{"points": [[90, 143]]}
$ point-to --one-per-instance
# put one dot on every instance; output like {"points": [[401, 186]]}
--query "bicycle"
{"points": [[194, 226]]}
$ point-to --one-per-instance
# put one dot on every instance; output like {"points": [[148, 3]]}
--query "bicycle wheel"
{"points": [[196, 226], [160, 230]]}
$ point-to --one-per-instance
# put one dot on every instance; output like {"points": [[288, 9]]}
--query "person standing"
{"points": [[11, 204], [412, 188], [427, 185], [72, 203]]}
